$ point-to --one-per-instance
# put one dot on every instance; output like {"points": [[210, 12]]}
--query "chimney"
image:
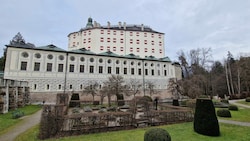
{"points": [[142, 27], [120, 25], [124, 25], [108, 24], [95, 24]]}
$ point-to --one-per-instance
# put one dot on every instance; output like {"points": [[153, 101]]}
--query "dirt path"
{"points": [[28, 122]]}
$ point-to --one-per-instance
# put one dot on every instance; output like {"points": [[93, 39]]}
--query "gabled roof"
{"points": [[109, 53], [151, 58], [131, 55], [82, 50], [50, 47], [165, 59]]}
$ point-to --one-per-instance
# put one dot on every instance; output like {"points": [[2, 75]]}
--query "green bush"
{"points": [[248, 99], [17, 114], [223, 113], [205, 119], [224, 101], [176, 102], [147, 98], [233, 108], [157, 134]]}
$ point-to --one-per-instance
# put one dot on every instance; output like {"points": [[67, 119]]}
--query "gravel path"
{"points": [[235, 122], [28, 122], [238, 104]]}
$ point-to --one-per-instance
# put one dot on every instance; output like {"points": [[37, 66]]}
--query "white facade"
{"points": [[121, 39], [41, 68]]}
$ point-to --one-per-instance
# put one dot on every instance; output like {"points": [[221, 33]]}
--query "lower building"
{"points": [[50, 69]]}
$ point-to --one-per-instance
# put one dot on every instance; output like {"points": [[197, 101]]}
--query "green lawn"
{"points": [[244, 102], [240, 115], [6, 121], [178, 132]]}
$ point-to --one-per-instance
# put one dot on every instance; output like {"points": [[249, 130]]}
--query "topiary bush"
{"points": [[176, 102], [223, 113], [224, 101], [157, 134], [205, 119], [248, 99], [233, 108]]}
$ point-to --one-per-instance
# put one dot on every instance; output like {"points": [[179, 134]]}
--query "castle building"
{"points": [[50, 69], [120, 39]]}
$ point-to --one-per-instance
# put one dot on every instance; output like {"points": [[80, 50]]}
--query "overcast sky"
{"points": [[222, 25]]}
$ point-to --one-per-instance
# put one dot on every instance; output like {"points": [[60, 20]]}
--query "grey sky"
{"points": [[222, 25]]}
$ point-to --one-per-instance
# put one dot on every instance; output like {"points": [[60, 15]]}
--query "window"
{"points": [[100, 69], [109, 61], [165, 72], [101, 48], [137, 33], [91, 69], [146, 50], [36, 66], [131, 41], [71, 68], [132, 71], [71, 86], [137, 41], [61, 57], [145, 42], [102, 31], [82, 59], [38, 55], [121, 49], [114, 32], [125, 71], [152, 42], [117, 70], [108, 40], [114, 40], [91, 59], [109, 70], [100, 60], [146, 71], [47, 86], [117, 61], [131, 33], [35, 86], [60, 67], [152, 35], [159, 72], [25, 54], [114, 48], [152, 72], [145, 34], [72, 58], [59, 87], [89, 40], [50, 56], [121, 41], [139, 71], [49, 66], [101, 39], [121, 33], [81, 68]]}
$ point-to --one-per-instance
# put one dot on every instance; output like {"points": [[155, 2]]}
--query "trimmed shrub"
{"points": [[205, 119], [233, 108], [147, 98], [176, 102], [224, 101], [223, 113], [157, 134], [75, 96], [17, 114], [248, 99]]}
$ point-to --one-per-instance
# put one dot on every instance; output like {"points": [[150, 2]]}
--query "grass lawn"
{"points": [[6, 121], [240, 115], [178, 132], [244, 102]]}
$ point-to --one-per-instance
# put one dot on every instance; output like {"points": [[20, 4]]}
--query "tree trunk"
{"points": [[228, 85]]}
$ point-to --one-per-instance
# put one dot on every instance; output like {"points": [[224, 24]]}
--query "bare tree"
{"points": [[151, 88], [133, 87], [114, 86], [92, 89]]}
